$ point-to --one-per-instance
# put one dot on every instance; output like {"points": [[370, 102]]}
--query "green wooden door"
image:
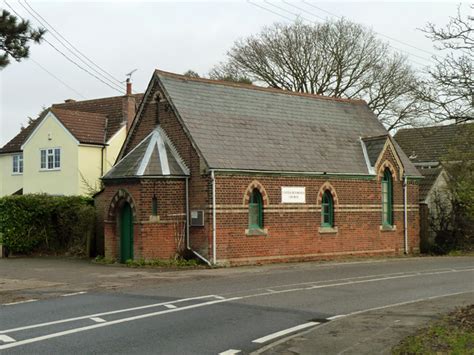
{"points": [[126, 233]]}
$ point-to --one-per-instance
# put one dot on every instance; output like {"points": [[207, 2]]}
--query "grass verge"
{"points": [[453, 334]]}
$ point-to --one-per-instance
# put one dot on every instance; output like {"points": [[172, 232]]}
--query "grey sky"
{"points": [[172, 36]]}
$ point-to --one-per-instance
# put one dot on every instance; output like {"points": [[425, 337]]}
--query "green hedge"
{"points": [[31, 223]]}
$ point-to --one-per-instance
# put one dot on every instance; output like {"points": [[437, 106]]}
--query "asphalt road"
{"points": [[235, 311]]}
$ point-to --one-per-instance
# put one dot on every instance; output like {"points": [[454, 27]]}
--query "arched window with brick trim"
{"points": [[256, 210], [327, 210], [387, 198]]}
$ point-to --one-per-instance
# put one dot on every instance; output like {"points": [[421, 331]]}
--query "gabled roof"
{"points": [[86, 127], [112, 107], [374, 146], [154, 156], [432, 144], [244, 127], [430, 176], [109, 107], [14, 145]]}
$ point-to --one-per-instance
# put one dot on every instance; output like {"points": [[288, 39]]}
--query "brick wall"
{"points": [[160, 236], [293, 229]]}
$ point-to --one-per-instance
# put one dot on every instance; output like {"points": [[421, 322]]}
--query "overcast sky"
{"points": [[172, 36]]}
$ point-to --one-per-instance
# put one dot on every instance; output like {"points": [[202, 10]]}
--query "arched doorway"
{"points": [[126, 232]]}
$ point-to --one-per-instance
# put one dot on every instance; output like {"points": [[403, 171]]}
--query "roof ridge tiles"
{"points": [[258, 88]]}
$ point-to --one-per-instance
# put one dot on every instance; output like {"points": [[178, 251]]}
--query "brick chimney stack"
{"points": [[128, 108]]}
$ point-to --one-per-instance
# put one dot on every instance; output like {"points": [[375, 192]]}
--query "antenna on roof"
{"points": [[129, 75]]}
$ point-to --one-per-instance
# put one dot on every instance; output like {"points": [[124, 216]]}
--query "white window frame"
{"points": [[17, 164], [52, 159]]}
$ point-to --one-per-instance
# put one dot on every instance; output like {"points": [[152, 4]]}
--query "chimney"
{"points": [[128, 107], [69, 101], [129, 87]]}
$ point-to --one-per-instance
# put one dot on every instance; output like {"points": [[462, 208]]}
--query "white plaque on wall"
{"points": [[293, 194]]}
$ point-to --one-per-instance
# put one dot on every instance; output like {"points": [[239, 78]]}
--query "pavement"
{"points": [[370, 332], [54, 305]]}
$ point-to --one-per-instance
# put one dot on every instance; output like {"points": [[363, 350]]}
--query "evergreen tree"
{"points": [[15, 37]]}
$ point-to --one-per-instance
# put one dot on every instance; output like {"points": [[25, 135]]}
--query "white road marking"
{"points": [[170, 306], [336, 317], [283, 332], [74, 294], [6, 338], [117, 321], [230, 352], [219, 297], [19, 302], [98, 320], [101, 314]]}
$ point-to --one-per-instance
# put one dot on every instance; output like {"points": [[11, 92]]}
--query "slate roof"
{"points": [[110, 107], [245, 127], [430, 176], [432, 144], [374, 146], [154, 156]]}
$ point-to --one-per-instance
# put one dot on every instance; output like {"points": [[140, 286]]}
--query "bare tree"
{"points": [[337, 58], [449, 87]]}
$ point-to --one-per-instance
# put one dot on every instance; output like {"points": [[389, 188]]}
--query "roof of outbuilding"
{"points": [[244, 127], [154, 156], [430, 176], [432, 144]]}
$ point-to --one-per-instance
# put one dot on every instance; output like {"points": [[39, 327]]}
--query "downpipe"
{"points": [[214, 224], [405, 213], [188, 246]]}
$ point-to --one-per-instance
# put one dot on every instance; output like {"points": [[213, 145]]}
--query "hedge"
{"points": [[53, 224]]}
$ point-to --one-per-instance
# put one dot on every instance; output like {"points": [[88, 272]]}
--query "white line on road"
{"points": [[102, 314], [118, 321], [98, 320], [230, 352], [74, 294], [170, 306], [19, 302], [284, 332], [6, 338], [336, 317]]}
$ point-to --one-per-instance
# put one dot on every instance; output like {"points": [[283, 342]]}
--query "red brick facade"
{"points": [[292, 230]]}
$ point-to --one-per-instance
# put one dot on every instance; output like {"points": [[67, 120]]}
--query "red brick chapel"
{"points": [[239, 174]]}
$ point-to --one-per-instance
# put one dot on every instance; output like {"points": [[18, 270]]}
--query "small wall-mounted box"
{"points": [[197, 218]]}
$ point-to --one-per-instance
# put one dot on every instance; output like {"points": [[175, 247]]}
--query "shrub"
{"points": [[37, 222]]}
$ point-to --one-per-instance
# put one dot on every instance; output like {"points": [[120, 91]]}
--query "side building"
{"points": [[241, 174], [68, 148]]}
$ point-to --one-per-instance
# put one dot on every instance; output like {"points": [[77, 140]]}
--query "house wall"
{"points": [[113, 148], [89, 172], [9, 182], [64, 181]]}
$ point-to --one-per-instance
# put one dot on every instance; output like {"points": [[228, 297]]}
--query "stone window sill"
{"points": [[256, 232], [328, 230], [388, 228]]}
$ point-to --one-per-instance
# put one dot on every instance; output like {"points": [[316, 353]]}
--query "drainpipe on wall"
{"points": [[405, 213], [214, 253], [188, 246]]}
